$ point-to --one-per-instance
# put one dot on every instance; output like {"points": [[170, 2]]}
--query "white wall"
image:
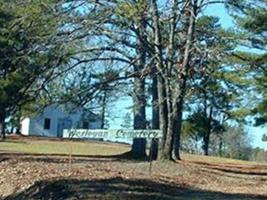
{"points": [[35, 126], [25, 125], [95, 125], [53, 113]]}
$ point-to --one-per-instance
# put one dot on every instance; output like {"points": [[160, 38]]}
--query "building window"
{"points": [[93, 120], [85, 125], [47, 123]]}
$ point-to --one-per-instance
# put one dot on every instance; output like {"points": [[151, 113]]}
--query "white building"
{"points": [[55, 118]]}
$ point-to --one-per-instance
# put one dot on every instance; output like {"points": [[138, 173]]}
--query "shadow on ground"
{"points": [[259, 170], [119, 188], [64, 158], [240, 172]]}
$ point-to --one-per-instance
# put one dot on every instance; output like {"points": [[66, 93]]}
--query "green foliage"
{"points": [[253, 24], [131, 10], [220, 84], [127, 121], [255, 21], [198, 125], [29, 53], [223, 79]]}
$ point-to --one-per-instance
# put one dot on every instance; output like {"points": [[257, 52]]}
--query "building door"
{"points": [[63, 123]]}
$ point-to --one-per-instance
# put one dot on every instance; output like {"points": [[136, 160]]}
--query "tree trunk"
{"points": [[220, 146], [163, 116], [103, 111], [167, 151], [177, 130], [163, 110], [206, 139], [12, 129], [139, 144], [2, 125], [206, 143], [154, 146], [139, 97], [182, 78], [155, 104], [171, 100]]}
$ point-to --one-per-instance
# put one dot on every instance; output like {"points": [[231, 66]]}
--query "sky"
{"points": [[255, 133]]}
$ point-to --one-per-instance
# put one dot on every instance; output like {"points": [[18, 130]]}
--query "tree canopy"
{"points": [[202, 76]]}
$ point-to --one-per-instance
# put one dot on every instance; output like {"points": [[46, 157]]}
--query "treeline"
{"points": [[233, 142], [168, 56]]}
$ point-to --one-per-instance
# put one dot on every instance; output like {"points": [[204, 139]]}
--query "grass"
{"points": [[45, 146], [37, 145], [24, 175], [215, 160]]}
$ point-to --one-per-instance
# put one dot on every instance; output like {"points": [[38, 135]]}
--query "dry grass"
{"points": [[216, 160], [56, 146], [96, 175]]}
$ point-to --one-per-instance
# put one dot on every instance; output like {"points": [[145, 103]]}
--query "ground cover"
{"points": [[34, 168]]}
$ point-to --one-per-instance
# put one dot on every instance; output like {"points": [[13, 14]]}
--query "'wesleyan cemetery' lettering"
{"points": [[115, 134]]}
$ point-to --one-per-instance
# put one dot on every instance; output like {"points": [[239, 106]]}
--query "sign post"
{"points": [[153, 135]]}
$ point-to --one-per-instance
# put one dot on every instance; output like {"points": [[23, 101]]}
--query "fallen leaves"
{"points": [[20, 172]]}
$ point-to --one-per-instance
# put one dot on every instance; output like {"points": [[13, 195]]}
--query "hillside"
{"points": [[40, 169]]}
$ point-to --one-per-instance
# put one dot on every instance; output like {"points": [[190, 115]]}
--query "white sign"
{"points": [[114, 134]]}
